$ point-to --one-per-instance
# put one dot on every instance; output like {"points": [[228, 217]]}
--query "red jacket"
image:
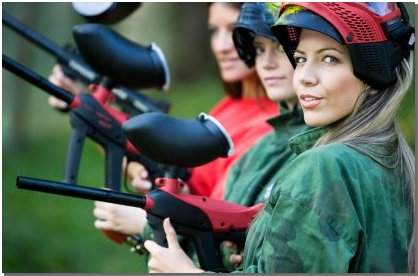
{"points": [[245, 121]]}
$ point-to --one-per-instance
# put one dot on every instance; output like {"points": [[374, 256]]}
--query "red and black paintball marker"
{"points": [[90, 114], [130, 101], [178, 143]]}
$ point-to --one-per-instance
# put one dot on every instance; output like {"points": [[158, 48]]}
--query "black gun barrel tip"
{"points": [[18, 181]]}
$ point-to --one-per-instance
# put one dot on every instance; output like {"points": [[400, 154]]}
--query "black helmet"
{"points": [[378, 35], [254, 19]]}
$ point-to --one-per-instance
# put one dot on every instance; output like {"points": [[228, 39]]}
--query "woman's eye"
{"points": [[212, 31], [299, 60], [330, 59], [258, 50]]}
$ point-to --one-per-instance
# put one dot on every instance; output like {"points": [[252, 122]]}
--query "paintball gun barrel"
{"points": [[80, 191], [207, 221], [37, 80]]}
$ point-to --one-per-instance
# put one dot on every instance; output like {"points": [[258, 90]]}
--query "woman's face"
{"points": [[222, 18], [323, 80], [275, 70]]}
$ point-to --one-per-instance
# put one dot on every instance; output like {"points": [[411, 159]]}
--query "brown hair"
{"points": [[233, 89]]}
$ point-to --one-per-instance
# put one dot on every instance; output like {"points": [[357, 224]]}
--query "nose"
{"points": [[222, 42], [269, 60], [306, 75]]}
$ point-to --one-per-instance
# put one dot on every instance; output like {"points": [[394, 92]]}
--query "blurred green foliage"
{"points": [[45, 233]]}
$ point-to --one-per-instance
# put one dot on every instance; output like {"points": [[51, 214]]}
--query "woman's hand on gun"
{"points": [[171, 259], [58, 78], [139, 176], [124, 219], [119, 218], [235, 258]]}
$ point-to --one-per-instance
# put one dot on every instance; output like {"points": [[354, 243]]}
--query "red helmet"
{"points": [[377, 34]]}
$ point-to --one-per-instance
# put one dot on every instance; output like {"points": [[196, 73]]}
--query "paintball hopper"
{"points": [[124, 62], [105, 12], [179, 142]]}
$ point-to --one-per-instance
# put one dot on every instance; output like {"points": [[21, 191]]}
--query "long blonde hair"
{"points": [[373, 122]]}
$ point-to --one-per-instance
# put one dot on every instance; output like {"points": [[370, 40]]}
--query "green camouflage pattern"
{"points": [[250, 180], [332, 209]]}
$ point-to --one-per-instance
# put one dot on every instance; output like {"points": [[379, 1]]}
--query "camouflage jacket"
{"points": [[332, 209], [250, 179]]}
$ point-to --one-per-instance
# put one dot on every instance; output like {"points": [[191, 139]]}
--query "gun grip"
{"points": [[115, 236], [156, 224], [75, 148], [159, 237], [113, 172]]}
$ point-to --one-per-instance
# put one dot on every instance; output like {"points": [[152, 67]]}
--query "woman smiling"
{"points": [[346, 202]]}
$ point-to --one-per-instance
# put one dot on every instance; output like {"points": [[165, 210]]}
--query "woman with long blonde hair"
{"points": [[346, 202]]}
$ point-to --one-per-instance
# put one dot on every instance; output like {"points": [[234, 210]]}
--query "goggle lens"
{"points": [[380, 8]]}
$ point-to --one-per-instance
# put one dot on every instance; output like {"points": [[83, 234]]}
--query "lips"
{"points": [[271, 81], [308, 101], [226, 63]]}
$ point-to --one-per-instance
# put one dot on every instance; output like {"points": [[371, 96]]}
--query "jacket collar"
{"points": [[305, 140]]}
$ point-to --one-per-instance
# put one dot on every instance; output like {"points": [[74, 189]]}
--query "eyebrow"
{"points": [[323, 50]]}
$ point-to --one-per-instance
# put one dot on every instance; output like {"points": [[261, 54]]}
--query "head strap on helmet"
{"points": [[400, 31], [255, 19], [378, 35]]}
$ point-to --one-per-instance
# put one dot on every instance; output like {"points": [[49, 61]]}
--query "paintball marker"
{"points": [[184, 143], [73, 65], [90, 116]]}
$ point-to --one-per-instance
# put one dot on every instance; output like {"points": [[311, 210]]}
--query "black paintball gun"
{"points": [[90, 114], [178, 143], [130, 101], [128, 63]]}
